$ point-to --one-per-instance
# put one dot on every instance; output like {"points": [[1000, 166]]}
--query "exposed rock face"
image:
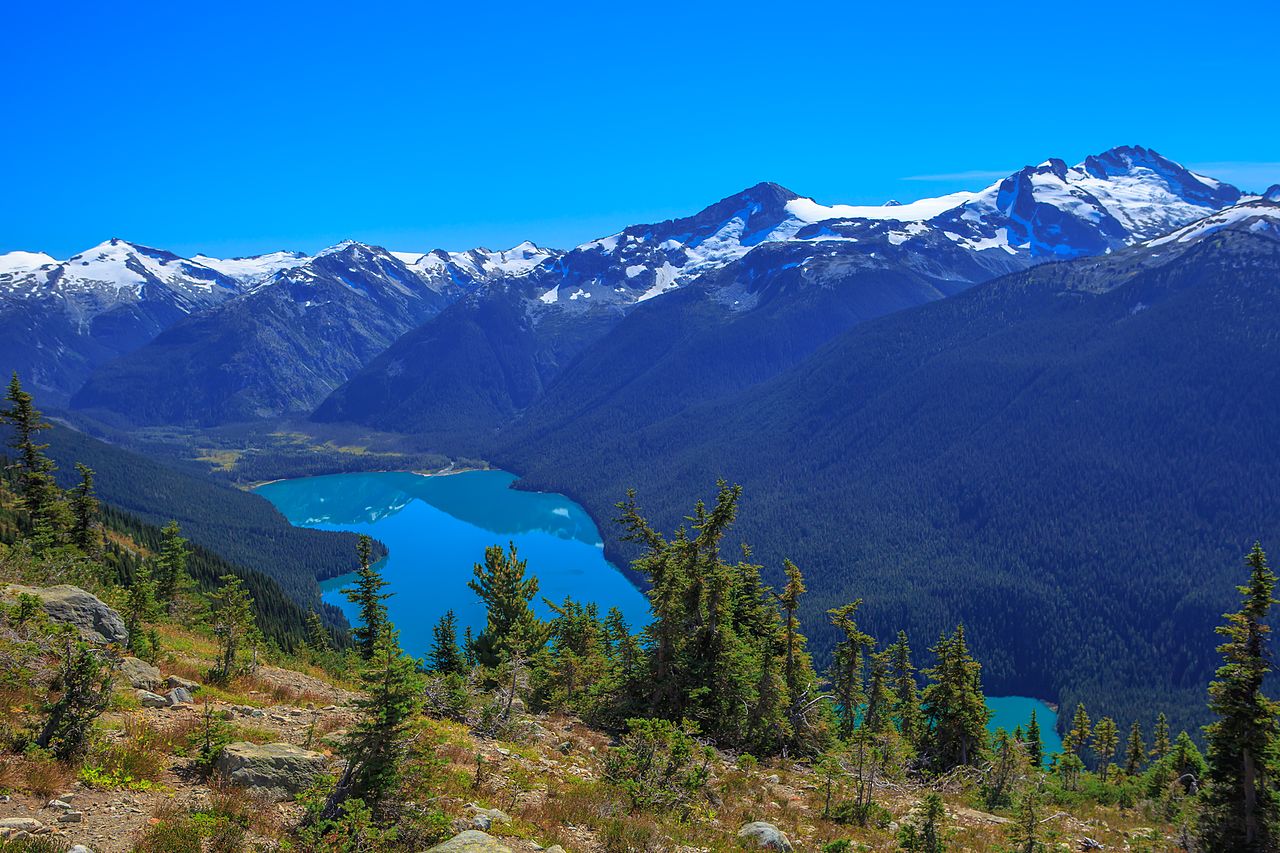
{"points": [[764, 836], [139, 674], [471, 841], [483, 818], [279, 770], [185, 683], [180, 696], [96, 622], [152, 700]]}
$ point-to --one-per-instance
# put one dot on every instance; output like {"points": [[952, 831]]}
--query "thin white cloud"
{"points": [[971, 175], [1249, 175]]}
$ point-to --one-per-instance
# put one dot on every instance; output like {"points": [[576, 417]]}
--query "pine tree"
{"points": [[1135, 751], [1024, 832], [445, 658], [1035, 744], [955, 705], [906, 705], [1077, 738], [468, 648], [139, 606], [317, 634], [377, 746], [171, 564], [512, 626], [368, 596], [1160, 743], [83, 688], [925, 835], [1106, 738], [234, 626], [847, 664], [1241, 810], [36, 486], [793, 640], [1008, 763], [85, 531]]}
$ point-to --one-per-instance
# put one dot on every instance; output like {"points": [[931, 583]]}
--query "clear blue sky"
{"points": [[233, 128]]}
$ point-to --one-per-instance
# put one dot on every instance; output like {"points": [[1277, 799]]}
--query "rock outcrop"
{"points": [[278, 770], [96, 622], [139, 674], [764, 836], [471, 841]]}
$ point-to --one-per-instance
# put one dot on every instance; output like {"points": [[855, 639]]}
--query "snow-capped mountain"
{"points": [[253, 269], [279, 348], [1050, 211], [476, 265], [114, 272]]}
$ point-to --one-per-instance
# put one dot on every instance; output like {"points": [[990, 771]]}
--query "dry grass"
{"points": [[42, 777]]}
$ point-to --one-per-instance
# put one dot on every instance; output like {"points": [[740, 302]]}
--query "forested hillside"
{"points": [[1069, 460], [240, 526]]}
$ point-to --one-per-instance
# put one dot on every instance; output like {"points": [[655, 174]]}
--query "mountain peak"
{"points": [[1272, 193]]}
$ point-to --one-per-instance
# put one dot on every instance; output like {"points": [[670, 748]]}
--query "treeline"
{"points": [[243, 528], [723, 662], [1035, 460], [119, 546]]}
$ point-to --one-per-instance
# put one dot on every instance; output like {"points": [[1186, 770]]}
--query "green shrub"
{"points": [[659, 766]]}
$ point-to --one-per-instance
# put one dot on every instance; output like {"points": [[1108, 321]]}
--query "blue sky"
{"points": [[235, 128]]}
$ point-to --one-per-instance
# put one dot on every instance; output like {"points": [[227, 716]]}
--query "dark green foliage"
{"points": [[1241, 810], [1135, 751], [512, 628], [1035, 744], [846, 672], [659, 766], [376, 747], [717, 648], [1025, 832], [445, 657], [234, 626], [925, 834], [1105, 740], [82, 689], [36, 486], [140, 608], [1077, 737], [955, 704], [1160, 744], [368, 596], [906, 693], [86, 530], [245, 530], [978, 460], [171, 562]]}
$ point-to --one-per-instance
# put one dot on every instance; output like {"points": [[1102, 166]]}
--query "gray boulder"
{"points": [[471, 841], [96, 622], [482, 818], [140, 674], [180, 696], [152, 700], [184, 683], [278, 770], [764, 836]]}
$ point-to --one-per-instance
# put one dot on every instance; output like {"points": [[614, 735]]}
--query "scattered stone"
{"points": [[20, 824], [278, 770], [97, 622], [79, 848], [471, 841], [565, 747], [152, 700], [184, 683], [483, 818], [764, 836], [140, 674], [59, 804], [180, 696], [772, 779], [71, 817]]}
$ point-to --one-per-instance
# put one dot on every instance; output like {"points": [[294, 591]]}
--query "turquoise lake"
{"points": [[436, 529]]}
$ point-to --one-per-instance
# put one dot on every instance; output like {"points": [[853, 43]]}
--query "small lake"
{"points": [[436, 529]]}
